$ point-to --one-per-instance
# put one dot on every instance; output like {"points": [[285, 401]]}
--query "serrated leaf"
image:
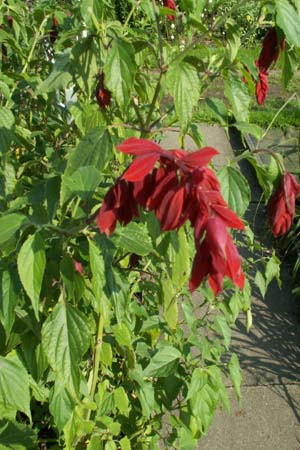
{"points": [[17, 436], [87, 116], [179, 258], [94, 149], [14, 384], [218, 109], [65, 338], [84, 64], [121, 400], [184, 86], [125, 443], [163, 363], [260, 282], [250, 128], [10, 224], [237, 93], [7, 124], [134, 238], [31, 267], [288, 20], [122, 335], [235, 374], [9, 296], [198, 381], [61, 404], [120, 71], [60, 76], [273, 270], [235, 189], [222, 327], [82, 182]]}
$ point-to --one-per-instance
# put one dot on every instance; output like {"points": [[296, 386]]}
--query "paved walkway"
{"points": [[268, 416]]}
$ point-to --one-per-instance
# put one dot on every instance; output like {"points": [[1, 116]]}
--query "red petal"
{"points": [[135, 146], [229, 217], [200, 157], [170, 210], [106, 221], [140, 167]]}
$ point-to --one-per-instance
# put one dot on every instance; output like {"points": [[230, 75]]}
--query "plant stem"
{"points": [[276, 115], [35, 41], [134, 6], [158, 34], [152, 106]]}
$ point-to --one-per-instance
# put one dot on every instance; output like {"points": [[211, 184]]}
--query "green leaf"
{"points": [[9, 296], [14, 384], [273, 270], [65, 338], [95, 149], [61, 404], [250, 128], [235, 189], [122, 335], [290, 64], [84, 64], [235, 374], [288, 20], [17, 436], [198, 381], [218, 109], [10, 224], [163, 363], [237, 93], [82, 182], [125, 443], [134, 238], [260, 282], [60, 76], [87, 116], [120, 71], [121, 401], [184, 86], [106, 354], [222, 327], [179, 259], [233, 42], [7, 125], [169, 301], [31, 266]]}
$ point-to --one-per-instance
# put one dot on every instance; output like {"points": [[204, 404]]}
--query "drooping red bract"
{"points": [[170, 4], [103, 95], [281, 207], [216, 257], [261, 88], [179, 187]]}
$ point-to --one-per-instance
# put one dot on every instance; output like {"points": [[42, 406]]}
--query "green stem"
{"points": [[276, 115], [35, 41], [134, 6], [96, 361], [158, 34], [152, 106]]}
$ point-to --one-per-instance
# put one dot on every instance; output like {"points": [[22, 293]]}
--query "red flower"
{"points": [[54, 31], [261, 88], [178, 186], [216, 257], [281, 208], [103, 95], [270, 50], [9, 21], [170, 4]]}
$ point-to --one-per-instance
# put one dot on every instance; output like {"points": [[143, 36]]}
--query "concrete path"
{"points": [[268, 416]]}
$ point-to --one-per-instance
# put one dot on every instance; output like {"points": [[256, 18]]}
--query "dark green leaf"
{"points": [[235, 189], [163, 363], [14, 384], [65, 338], [120, 71], [218, 109], [237, 93], [84, 64], [17, 436], [9, 296], [134, 238], [10, 224], [60, 76], [250, 128], [82, 182], [184, 86], [61, 404], [31, 266], [7, 124], [288, 20]]}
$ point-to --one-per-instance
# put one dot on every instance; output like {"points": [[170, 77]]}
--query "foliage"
{"points": [[101, 344]]}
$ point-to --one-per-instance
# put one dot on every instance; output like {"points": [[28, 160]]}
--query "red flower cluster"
{"points": [[281, 208], [102, 95], [269, 54], [178, 186], [170, 4]]}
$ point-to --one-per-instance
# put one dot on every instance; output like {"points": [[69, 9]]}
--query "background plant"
{"points": [[102, 345]]}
